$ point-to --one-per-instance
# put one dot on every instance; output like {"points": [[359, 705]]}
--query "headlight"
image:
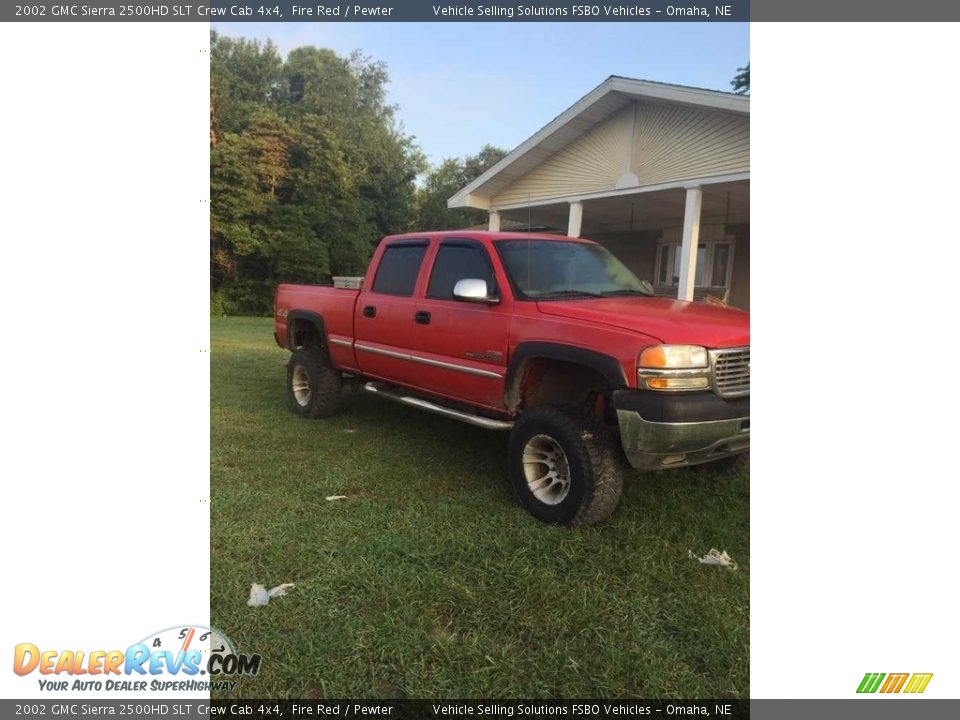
{"points": [[673, 357], [674, 367]]}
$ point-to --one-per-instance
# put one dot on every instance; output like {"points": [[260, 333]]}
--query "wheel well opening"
{"points": [[543, 381], [305, 333]]}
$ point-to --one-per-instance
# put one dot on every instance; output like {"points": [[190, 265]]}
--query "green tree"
{"points": [[741, 81], [444, 181], [308, 168], [247, 172], [348, 94], [243, 77]]}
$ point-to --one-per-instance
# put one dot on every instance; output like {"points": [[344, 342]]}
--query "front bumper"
{"points": [[668, 430]]}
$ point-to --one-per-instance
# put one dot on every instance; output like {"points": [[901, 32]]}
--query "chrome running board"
{"points": [[478, 420]]}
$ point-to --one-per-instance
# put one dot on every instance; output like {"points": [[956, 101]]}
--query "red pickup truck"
{"points": [[550, 338]]}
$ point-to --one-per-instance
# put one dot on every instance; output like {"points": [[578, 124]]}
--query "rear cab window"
{"points": [[399, 268]]}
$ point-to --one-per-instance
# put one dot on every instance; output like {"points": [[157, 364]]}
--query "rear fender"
{"points": [[303, 324]]}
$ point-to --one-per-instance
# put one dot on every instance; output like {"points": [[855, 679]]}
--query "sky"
{"points": [[460, 86]]}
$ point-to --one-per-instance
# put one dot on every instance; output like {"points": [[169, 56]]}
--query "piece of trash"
{"points": [[336, 497], [259, 595], [350, 430], [714, 557]]}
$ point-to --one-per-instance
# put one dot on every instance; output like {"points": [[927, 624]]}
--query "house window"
{"points": [[714, 263]]}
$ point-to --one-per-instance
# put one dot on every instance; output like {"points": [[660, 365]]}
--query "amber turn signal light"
{"points": [[678, 383]]}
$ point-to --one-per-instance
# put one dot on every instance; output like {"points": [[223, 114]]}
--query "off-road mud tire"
{"points": [[594, 471], [313, 386]]}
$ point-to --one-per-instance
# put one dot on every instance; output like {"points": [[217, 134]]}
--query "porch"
{"points": [[654, 233]]}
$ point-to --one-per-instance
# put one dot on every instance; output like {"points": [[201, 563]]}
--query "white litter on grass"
{"points": [[259, 595], [336, 497], [714, 557]]}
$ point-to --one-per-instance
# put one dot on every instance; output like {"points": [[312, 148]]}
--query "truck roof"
{"points": [[483, 235]]}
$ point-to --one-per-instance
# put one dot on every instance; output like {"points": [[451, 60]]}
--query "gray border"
{"points": [[853, 11], [875, 707], [872, 708], [422, 11], [380, 11]]}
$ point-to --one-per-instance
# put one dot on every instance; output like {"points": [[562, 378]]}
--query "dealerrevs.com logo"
{"points": [[894, 683], [180, 658]]}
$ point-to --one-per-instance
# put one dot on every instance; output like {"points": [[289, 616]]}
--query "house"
{"points": [[657, 173]]}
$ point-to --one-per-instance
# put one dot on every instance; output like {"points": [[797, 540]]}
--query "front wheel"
{"points": [[313, 387], [563, 466]]}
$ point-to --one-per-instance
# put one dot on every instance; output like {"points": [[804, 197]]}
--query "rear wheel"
{"points": [[563, 466], [313, 387]]}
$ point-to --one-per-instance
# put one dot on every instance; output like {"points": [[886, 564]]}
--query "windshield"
{"points": [[544, 269]]}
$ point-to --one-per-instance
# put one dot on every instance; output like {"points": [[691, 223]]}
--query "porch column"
{"points": [[494, 221], [576, 217], [688, 247]]}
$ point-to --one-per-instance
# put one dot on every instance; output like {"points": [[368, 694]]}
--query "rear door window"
{"points": [[398, 269]]}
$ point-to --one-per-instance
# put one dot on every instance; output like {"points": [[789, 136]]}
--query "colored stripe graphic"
{"points": [[918, 682], [894, 682], [870, 682]]}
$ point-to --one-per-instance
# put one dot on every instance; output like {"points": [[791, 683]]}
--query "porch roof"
{"points": [[723, 203], [600, 103]]}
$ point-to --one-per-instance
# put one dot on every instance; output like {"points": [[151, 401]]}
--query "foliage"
{"points": [[741, 81], [308, 168], [445, 180]]}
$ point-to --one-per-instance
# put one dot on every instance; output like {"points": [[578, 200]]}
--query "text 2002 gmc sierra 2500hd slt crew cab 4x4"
{"points": [[549, 337]]}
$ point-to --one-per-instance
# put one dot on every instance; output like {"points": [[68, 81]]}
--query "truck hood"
{"points": [[667, 320]]}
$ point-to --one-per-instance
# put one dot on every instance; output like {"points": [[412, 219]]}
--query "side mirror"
{"points": [[473, 290]]}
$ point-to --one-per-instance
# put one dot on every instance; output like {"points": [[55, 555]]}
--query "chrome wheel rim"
{"points": [[546, 469], [301, 385]]}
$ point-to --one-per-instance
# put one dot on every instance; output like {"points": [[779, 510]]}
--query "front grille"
{"points": [[731, 372]]}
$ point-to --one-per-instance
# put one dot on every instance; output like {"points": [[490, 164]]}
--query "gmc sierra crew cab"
{"points": [[550, 338]]}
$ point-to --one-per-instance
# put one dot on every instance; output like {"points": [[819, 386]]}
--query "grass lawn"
{"points": [[429, 581]]}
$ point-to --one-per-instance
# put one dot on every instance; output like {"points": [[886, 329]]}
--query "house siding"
{"points": [[657, 143]]}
